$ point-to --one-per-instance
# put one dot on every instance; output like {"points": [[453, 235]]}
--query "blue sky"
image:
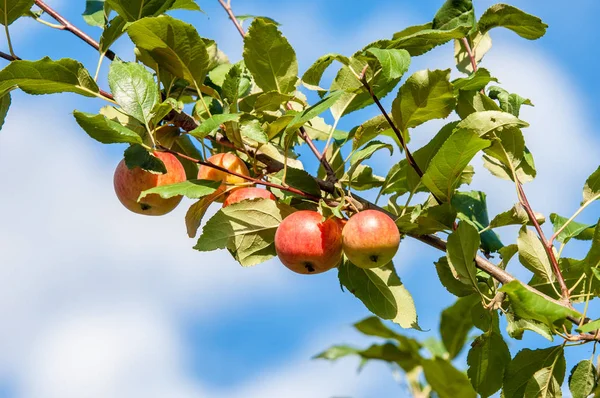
{"points": [[99, 302]]}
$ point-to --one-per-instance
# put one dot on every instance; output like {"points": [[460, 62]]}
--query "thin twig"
{"points": [[227, 8], [8, 57], [68, 26], [470, 53], [547, 245]]}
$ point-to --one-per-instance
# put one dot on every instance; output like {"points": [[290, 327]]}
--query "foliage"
{"points": [[182, 95]]}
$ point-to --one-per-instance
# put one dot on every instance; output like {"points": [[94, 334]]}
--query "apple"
{"points": [[228, 161], [370, 239], [247, 193], [129, 184], [308, 245]]}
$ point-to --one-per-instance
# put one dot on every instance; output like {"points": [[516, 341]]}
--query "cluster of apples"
{"points": [[304, 241]]}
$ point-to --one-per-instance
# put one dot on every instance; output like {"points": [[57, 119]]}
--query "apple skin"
{"points": [[129, 184], [308, 245], [247, 193], [228, 161], [370, 239]]}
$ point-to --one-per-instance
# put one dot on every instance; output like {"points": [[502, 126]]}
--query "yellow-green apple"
{"points": [[130, 183], [247, 193], [228, 161], [308, 245], [370, 239]]}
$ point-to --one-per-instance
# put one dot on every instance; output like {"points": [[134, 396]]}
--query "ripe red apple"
{"points": [[129, 184], [247, 193], [370, 239], [308, 245], [228, 161]]}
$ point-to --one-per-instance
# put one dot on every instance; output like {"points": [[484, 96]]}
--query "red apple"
{"points": [[129, 184], [228, 161], [308, 245], [370, 239], [247, 193]]}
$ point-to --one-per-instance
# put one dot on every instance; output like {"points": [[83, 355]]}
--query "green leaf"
{"points": [[461, 251], [426, 95], [472, 101], [443, 173], [453, 285], [48, 77], [515, 216], [134, 89], [524, 366], [454, 13], [373, 326], [296, 178], [544, 383], [190, 5], [589, 327], [213, 123], [456, 323], [315, 110], [472, 207], [417, 40], [530, 305], [591, 189], [110, 34], [270, 57], [488, 122], [516, 327], [510, 103], [366, 152], [487, 360], [247, 228], [582, 379], [362, 179], [385, 352], [174, 45], [532, 254], [312, 76], [270, 101], [394, 63], [193, 189], [502, 15], [252, 129], [137, 156], [94, 13], [507, 253], [11, 10], [104, 130], [480, 44], [194, 215], [381, 291], [4, 105], [446, 380], [572, 230], [476, 81], [133, 10]]}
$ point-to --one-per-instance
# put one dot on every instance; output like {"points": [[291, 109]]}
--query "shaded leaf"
{"points": [[454, 13], [4, 106], [453, 285], [487, 360], [94, 13], [456, 323], [582, 379], [104, 130], [11, 10], [195, 213], [463, 244], [472, 207], [591, 189], [524, 366], [446, 380], [138, 156], [516, 327]]}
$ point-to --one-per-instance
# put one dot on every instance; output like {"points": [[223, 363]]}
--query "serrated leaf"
{"points": [[5, 101], [524, 366], [270, 57], [193, 189], [446, 380], [194, 215], [572, 230], [454, 13], [532, 254], [515, 216], [174, 45], [425, 95], [134, 89], [472, 207], [104, 130], [381, 291], [591, 189], [247, 228], [48, 77], [453, 285], [463, 244], [213, 123], [417, 40], [530, 305], [582, 379], [456, 323], [443, 173], [138, 156], [133, 10], [503, 15], [516, 326], [487, 360], [394, 62], [94, 13], [11, 10]]}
